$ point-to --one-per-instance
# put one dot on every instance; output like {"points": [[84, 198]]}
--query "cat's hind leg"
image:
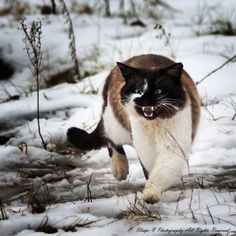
{"points": [[119, 161]]}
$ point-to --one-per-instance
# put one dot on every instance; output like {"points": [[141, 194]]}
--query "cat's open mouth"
{"points": [[148, 111]]}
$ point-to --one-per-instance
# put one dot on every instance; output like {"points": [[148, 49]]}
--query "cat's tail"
{"points": [[85, 141]]}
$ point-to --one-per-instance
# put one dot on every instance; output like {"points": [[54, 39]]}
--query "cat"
{"points": [[151, 103]]}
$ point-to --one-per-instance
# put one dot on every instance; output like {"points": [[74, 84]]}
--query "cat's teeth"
{"points": [[148, 111], [144, 108]]}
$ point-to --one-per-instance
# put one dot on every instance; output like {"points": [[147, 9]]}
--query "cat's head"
{"points": [[153, 92]]}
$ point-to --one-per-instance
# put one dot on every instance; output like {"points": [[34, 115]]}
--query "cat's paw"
{"points": [[120, 170], [151, 195]]}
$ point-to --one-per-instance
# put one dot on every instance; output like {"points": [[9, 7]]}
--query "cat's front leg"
{"points": [[119, 162], [167, 170]]}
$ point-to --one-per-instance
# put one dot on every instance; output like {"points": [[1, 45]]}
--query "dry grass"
{"points": [[77, 224], [140, 210], [48, 228], [40, 199], [3, 214], [167, 38]]}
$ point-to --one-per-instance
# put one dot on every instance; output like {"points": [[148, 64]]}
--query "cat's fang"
{"points": [[148, 111]]}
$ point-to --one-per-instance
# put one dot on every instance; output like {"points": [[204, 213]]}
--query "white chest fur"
{"points": [[161, 137]]}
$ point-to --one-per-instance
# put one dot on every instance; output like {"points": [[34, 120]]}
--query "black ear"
{"points": [[175, 70], [128, 72]]}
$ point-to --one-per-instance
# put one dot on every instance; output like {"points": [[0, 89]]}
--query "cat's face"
{"points": [[154, 92]]}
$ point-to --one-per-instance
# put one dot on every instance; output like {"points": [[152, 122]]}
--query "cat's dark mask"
{"points": [[154, 92]]}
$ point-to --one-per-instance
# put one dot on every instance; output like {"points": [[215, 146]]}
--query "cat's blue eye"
{"points": [[158, 91], [138, 91]]}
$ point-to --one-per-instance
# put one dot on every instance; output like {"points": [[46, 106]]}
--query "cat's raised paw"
{"points": [[120, 171]]}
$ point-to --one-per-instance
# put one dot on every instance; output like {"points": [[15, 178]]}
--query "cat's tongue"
{"points": [[148, 111]]}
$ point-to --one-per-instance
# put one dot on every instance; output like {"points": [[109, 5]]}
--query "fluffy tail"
{"points": [[85, 141]]}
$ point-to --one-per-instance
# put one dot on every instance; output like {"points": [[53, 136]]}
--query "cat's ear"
{"points": [[175, 70], [128, 72]]}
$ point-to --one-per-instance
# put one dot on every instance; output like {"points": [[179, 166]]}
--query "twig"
{"points": [[234, 116], [209, 212], [177, 203], [211, 114], [191, 199], [199, 181], [89, 197], [167, 37], [183, 154], [32, 42], [72, 44], [215, 196], [200, 214], [232, 104], [215, 70]]}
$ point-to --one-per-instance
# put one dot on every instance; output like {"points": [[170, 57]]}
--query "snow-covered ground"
{"points": [[203, 202]]}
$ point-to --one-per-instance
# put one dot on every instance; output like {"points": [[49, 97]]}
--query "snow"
{"points": [[204, 202]]}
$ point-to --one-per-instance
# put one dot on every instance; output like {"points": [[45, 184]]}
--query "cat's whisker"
{"points": [[167, 104], [171, 107], [164, 107], [171, 100], [173, 103], [167, 108]]}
